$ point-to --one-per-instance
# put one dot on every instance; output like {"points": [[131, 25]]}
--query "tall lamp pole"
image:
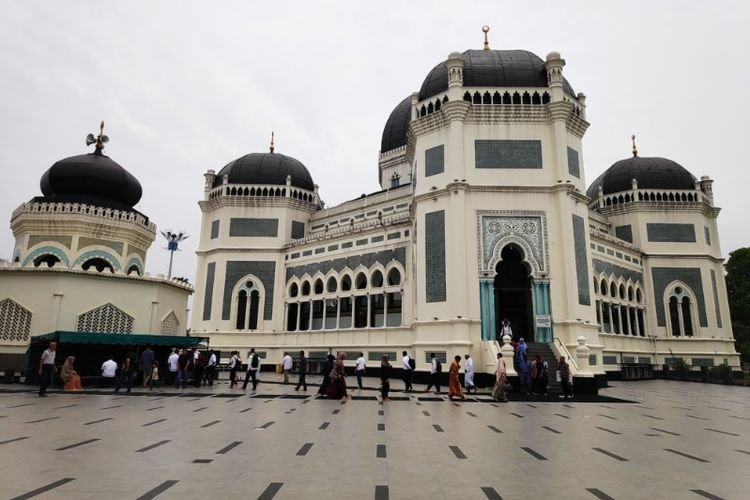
{"points": [[173, 241]]}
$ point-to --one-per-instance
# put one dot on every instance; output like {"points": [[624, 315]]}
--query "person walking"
{"points": [[525, 369], [337, 387], [155, 377], [544, 379], [210, 368], [199, 367], [146, 364], [302, 363], [253, 367], [498, 391], [69, 376], [360, 369], [327, 369], [286, 365], [406, 371], [454, 385], [234, 365], [385, 375], [469, 375], [126, 373], [564, 371], [183, 364], [520, 352], [536, 376], [172, 361], [47, 368], [436, 368]]}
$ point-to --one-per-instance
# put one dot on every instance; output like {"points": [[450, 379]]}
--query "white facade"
{"points": [[427, 264]]}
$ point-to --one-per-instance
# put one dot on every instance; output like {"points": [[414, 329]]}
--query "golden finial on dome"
{"points": [[272, 147], [635, 149], [485, 30]]}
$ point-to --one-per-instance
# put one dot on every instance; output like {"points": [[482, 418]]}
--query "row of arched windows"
{"points": [[506, 98], [371, 299], [262, 192], [619, 308], [649, 197]]}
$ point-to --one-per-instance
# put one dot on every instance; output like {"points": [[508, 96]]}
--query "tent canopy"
{"points": [[123, 339]]}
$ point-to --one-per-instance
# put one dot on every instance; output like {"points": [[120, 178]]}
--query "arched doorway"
{"points": [[513, 294]]}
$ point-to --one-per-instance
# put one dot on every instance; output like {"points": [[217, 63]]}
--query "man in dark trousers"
{"points": [[435, 370], [147, 365], [406, 371], [47, 368], [183, 363], [253, 364], [126, 373], [302, 364]]}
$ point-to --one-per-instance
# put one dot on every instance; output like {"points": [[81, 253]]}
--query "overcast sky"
{"points": [[188, 86]]}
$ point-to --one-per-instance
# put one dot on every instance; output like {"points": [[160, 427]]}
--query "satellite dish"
{"points": [[90, 139]]}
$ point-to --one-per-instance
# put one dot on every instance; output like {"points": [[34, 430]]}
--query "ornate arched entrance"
{"points": [[513, 298]]}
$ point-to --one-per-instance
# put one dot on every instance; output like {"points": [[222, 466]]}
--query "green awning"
{"points": [[133, 339]]}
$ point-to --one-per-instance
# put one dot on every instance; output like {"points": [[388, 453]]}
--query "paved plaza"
{"points": [[671, 440]]}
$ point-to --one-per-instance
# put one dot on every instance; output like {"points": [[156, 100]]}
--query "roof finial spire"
{"points": [[100, 140], [272, 147], [485, 30], [635, 149]]}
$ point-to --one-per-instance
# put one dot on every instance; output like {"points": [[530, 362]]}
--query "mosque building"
{"points": [[484, 215], [78, 265]]}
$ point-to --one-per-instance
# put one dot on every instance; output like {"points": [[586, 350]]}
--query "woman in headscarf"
{"points": [[454, 386], [385, 375], [327, 369], [69, 376], [337, 387], [498, 392]]}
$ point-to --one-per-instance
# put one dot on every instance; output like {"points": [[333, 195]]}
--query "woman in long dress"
{"points": [[337, 386], [69, 375], [454, 386], [498, 391]]}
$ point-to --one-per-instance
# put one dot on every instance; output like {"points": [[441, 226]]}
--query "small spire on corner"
{"points": [[635, 149], [100, 140], [485, 30], [272, 146]]}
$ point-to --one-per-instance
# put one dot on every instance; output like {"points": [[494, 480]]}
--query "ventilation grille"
{"points": [[170, 325], [15, 322], [105, 319]]}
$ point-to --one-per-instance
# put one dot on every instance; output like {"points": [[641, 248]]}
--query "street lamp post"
{"points": [[173, 240]]}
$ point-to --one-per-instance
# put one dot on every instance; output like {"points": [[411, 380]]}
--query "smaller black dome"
{"points": [[91, 178], [394, 133], [651, 173], [266, 168]]}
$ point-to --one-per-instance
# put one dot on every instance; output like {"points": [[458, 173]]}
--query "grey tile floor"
{"points": [[678, 440]]}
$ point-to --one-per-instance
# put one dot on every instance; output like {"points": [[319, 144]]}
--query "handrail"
{"points": [[567, 353]]}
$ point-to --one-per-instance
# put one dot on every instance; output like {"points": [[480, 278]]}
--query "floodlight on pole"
{"points": [[173, 240]]}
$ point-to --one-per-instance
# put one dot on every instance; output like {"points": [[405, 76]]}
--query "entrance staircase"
{"points": [[535, 349]]}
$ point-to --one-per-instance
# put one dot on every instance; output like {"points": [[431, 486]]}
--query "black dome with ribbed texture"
{"points": [[492, 68], [394, 133], [94, 179], [266, 168], [651, 173]]}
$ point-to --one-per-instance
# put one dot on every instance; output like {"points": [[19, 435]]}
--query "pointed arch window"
{"points": [[248, 306], [680, 303]]}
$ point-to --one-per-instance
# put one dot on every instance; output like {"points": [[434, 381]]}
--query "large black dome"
{"points": [[651, 173], [266, 168], [91, 178], [492, 68], [394, 133]]}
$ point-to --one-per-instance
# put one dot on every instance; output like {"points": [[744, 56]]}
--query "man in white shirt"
{"points": [[172, 362], [109, 368], [469, 374], [360, 370], [406, 371], [47, 368], [253, 368], [211, 368], [436, 369], [286, 366]]}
